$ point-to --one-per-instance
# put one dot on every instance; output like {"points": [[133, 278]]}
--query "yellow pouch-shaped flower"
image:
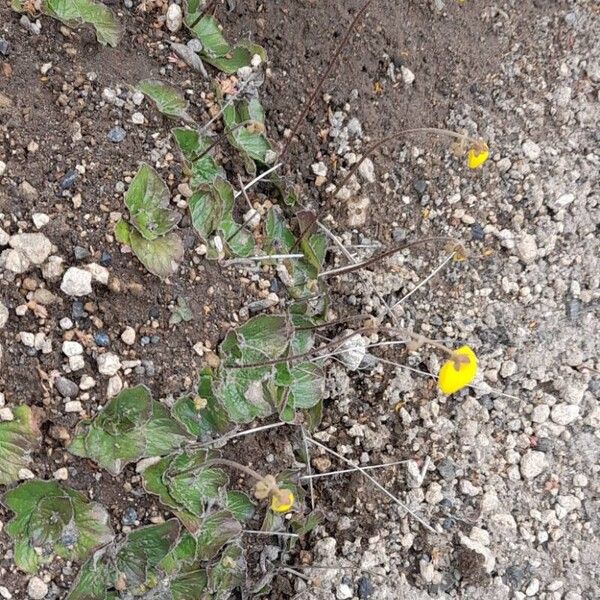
{"points": [[459, 371], [282, 501], [476, 156]]}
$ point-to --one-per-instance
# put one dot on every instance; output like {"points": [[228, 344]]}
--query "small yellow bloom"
{"points": [[459, 371], [282, 501], [477, 155]]}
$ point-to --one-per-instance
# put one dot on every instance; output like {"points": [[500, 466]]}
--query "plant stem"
{"points": [[234, 465], [378, 257], [393, 136], [319, 85]]}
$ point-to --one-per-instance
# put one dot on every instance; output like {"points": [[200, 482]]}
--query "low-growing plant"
{"points": [[74, 13]]}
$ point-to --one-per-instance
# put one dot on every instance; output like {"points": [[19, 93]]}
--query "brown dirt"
{"points": [[300, 35]]}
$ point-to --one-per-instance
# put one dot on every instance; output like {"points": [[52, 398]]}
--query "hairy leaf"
{"points": [[216, 530], [17, 439], [160, 256], [56, 519], [229, 573], [168, 99], [131, 426], [147, 199]]}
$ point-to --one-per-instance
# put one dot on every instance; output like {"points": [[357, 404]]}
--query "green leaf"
{"points": [[182, 555], [238, 57], [147, 199], [205, 170], [210, 418], [194, 488], [190, 142], [208, 32], [243, 394], [238, 239], [216, 530], [143, 550], [263, 337], [240, 505], [160, 256], [92, 582], [130, 427], [180, 312], [189, 585], [229, 573], [17, 439], [206, 211], [122, 232], [75, 12], [307, 386], [168, 99], [56, 519]]}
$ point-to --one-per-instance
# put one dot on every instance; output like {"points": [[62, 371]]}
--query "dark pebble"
{"points": [[274, 287], [446, 503], [116, 134], [81, 253], [513, 576], [365, 588], [477, 232], [66, 388], [447, 469], [105, 258], [487, 402], [544, 445], [573, 308], [77, 311], [420, 186], [155, 339], [68, 181], [154, 312], [129, 516], [448, 523], [399, 235], [101, 338], [68, 538], [4, 47], [145, 340], [149, 368]]}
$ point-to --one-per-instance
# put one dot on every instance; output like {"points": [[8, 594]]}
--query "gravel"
{"points": [[76, 282]]}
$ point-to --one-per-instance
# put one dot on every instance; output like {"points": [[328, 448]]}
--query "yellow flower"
{"points": [[459, 371], [282, 501], [477, 155]]}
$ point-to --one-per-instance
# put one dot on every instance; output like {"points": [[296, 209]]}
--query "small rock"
{"points": [[531, 150], [3, 315], [174, 18], [533, 463], [53, 269], [27, 191], [68, 181], [527, 249], [76, 282], [4, 47], [70, 348], [40, 219], [344, 592], [6, 414], [73, 406], [26, 474], [367, 170], [357, 211], [36, 588], [365, 588], [66, 388], [540, 413], [407, 75], [319, 169], [14, 261], [86, 383], [564, 414], [116, 135], [2, 168], [128, 336], [99, 274], [137, 118], [101, 338], [129, 516], [61, 474], [35, 246], [108, 364], [115, 385]]}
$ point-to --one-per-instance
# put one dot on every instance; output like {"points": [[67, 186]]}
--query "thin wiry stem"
{"points": [[231, 436], [257, 179], [424, 281], [352, 470], [351, 258], [308, 468], [278, 533], [379, 257], [326, 73], [375, 483], [394, 136]]}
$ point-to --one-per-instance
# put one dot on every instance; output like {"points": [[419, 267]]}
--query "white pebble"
{"points": [[72, 348], [36, 588], [108, 364], [76, 282], [128, 336], [73, 406], [137, 118], [61, 474]]}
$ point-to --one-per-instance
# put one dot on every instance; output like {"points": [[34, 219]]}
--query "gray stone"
{"points": [[76, 282], [108, 364], [36, 588], [533, 463], [3, 315], [565, 414], [66, 388], [35, 246]]}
